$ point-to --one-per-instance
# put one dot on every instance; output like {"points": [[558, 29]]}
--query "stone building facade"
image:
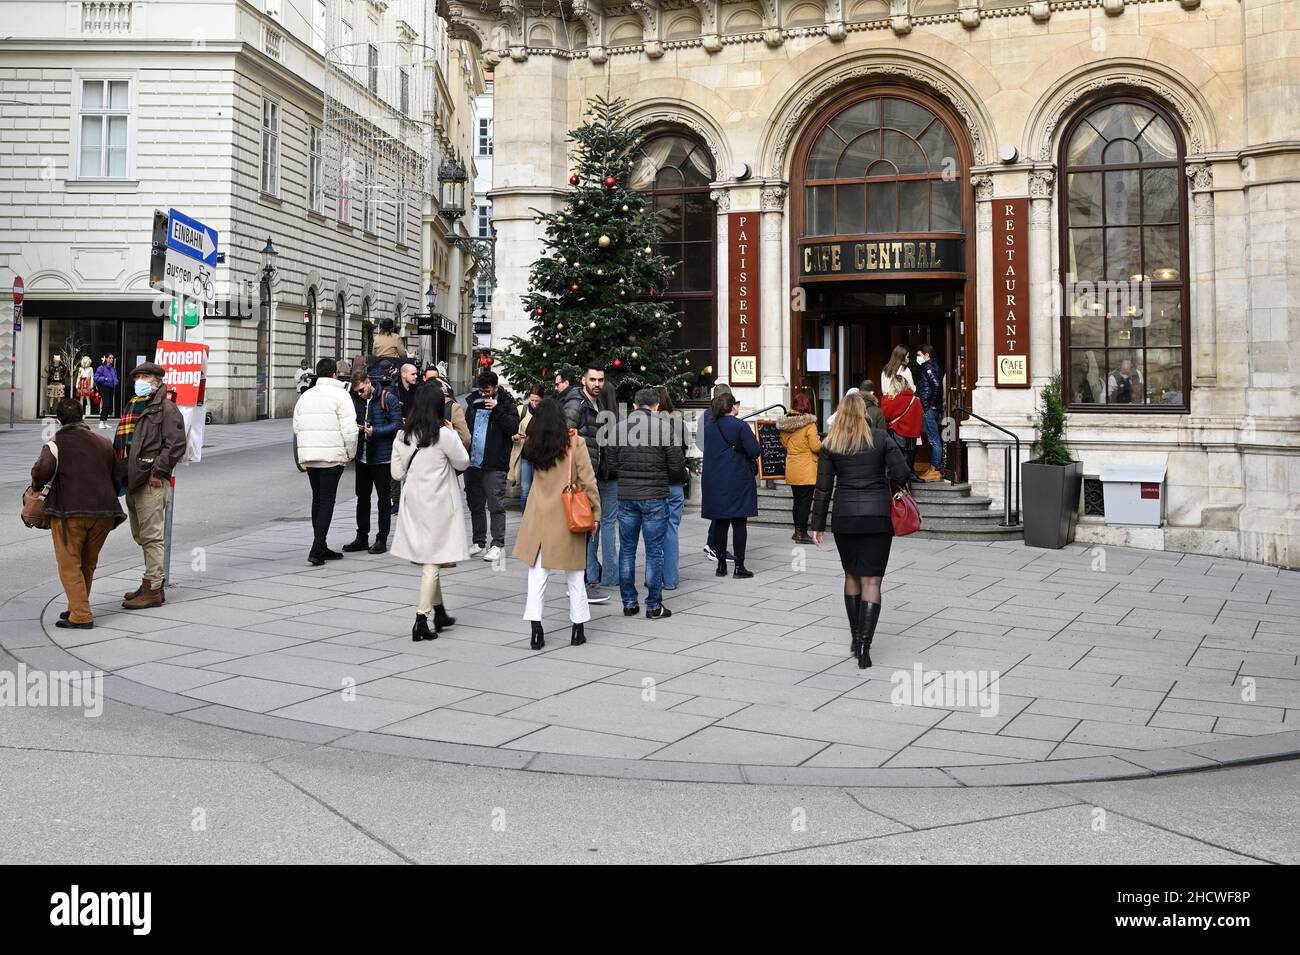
{"points": [[1141, 157]]}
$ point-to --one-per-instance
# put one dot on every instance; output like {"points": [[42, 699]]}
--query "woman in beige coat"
{"points": [[427, 455], [545, 542]]}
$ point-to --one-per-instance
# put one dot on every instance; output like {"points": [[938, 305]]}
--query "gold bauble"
{"points": [[603, 242]]}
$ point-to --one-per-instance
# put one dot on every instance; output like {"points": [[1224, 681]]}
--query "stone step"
{"points": [[964, 526]]}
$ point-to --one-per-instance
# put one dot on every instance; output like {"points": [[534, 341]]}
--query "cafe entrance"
{"points": [[881, 206]]}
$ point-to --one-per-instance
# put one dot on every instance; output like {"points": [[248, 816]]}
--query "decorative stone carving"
{"points": [[1190, 4], [1203, 207], [817, 95], [1118, 82], [900, 16], [773, 199], [671, 117], [1113, 8], [648, 11], [654, 49], [983, 186], [1040, 183], [710, 39], [968, 12], [772, 37], [1040, 215], [984, 217], [835, 29], [1202, 176], [721, 198], [594, 21], [1040, 11]]}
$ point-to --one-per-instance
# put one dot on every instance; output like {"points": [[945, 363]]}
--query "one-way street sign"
{"points": [[192, 238]]}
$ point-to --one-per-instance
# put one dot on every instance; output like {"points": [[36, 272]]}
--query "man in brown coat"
{"points": [[81, 504], [387, 343], [150, 442]]}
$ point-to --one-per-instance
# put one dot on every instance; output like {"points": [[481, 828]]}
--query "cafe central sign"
{"points": [[868, 258]]}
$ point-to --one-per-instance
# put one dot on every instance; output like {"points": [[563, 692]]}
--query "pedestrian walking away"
{"points": [[930, 393], [80, 472], [378, 418], [493, 423], [387, 343], [648, 458], [875, 417], [854, 472], [427, 456], [325, 439], [560, 463], [721, 388], [676, 495], [799, 437], [106, 383], [521, 471], [903, 418], [149, 443], [597, 413], [729, 492]]}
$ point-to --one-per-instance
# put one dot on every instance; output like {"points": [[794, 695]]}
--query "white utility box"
{"points": [[1134, 494]]}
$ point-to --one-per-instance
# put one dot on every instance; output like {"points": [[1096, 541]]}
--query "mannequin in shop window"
{"points": [[56, 377], [106, 382], [86, 385]]}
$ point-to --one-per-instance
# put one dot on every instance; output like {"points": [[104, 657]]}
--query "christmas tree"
{"points": [[596, 292]]}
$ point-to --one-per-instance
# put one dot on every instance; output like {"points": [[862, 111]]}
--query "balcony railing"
{"points": [[113, 16], [273, 42]]}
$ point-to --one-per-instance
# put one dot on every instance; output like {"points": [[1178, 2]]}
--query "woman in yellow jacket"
{"points": [[798, 431]]}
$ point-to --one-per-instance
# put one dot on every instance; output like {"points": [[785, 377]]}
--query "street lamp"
{"points": [[269, 255], [452, 177], [428, 298]]}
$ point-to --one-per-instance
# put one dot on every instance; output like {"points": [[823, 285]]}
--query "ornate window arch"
{"points": [[1123, 233], [673, 168]]}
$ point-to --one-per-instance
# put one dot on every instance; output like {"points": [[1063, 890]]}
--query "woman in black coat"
{"points": [[729, 492], [856, 465]]}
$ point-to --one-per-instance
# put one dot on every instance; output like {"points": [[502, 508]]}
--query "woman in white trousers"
{"points": [[559, 458], [427, 455]]}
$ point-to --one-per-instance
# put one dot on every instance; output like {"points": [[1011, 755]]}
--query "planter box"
{"points": [[1050, 499]]}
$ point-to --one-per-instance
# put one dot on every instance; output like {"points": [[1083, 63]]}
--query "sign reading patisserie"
{"points": [[1011, 293], [743, 323]]}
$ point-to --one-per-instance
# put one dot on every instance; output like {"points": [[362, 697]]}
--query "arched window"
{"points": [[1124, 259], [309, 322], [674, 172], [883, 165]]}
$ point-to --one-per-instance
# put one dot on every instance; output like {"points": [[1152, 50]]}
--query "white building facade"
{"points": [[222, 110]]}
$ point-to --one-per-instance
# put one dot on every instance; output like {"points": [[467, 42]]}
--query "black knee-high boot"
{"points": [[851, 605], [868, 617]]}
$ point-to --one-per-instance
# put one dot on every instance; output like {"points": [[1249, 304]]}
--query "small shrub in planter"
{"points": [[1050, 482]]}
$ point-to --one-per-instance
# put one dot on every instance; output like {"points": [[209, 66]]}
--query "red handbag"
{"points": [[577, 506], [904, 514]]}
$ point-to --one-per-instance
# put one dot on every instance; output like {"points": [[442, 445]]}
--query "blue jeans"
{"points": [[676, 498], [525, 482], [932, 435], [609, 511], [650, 520]]}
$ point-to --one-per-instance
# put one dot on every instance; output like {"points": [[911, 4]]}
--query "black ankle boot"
{"points": [[868, 616], [538, 640], [421, 629], [851, 605], [740, 570], [441, 620], [722, 567], [578, 637], [380, 546], [361, 542]]}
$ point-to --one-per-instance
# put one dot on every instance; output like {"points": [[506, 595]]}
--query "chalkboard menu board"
{"points": [[771, 463]]}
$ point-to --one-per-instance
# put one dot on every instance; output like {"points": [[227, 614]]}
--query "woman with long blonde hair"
{"points": [[856, 464]]}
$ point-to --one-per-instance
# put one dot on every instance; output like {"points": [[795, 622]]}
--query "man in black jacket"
{"points": [[595, 425], [493, 422], [647, 456]]}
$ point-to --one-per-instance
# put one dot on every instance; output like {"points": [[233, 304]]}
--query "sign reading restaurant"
{"points": [[866, 258], [1011, 293]]}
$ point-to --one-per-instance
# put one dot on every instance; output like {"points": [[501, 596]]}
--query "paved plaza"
{"points": [[1060, 666]]}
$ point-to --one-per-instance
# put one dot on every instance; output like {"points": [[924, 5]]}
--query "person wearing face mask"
{"points": [[149, 443]]}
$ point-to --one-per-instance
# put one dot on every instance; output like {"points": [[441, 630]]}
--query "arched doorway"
{"points": [[880, 213]]}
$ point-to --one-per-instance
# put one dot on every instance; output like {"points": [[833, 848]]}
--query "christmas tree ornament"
{"points": [[560, 219], [610, 182], [582, 202], [573, 180], [574, 287], [559, 327], [603, 241], [592, 325], [643, 367], [618, 363], [625, 208], [600, 271], [586, 235], [647, 250], [659, 314], [634, 355], [539, 311], [562, 260]]}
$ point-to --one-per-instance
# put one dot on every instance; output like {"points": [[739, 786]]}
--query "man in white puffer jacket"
{"points": [[325, 435]]}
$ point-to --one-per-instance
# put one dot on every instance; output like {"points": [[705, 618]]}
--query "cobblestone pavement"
{"points": [[1085, 663]]}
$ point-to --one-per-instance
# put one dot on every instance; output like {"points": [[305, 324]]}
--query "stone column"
{"points": [[776, 329], [1200, 284], [1044, 310], [722, 367]]}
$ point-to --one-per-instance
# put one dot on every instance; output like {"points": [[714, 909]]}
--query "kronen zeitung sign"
{"points": [[868, 257]]}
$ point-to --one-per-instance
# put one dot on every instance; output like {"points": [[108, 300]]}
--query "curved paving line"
{"points": [[44, 653]]}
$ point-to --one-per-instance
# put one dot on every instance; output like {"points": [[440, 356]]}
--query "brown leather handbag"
{"points": [[577, 506], [33, 512]]}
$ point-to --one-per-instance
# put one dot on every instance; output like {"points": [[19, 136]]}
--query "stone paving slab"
{"points": [[1122, 674]]}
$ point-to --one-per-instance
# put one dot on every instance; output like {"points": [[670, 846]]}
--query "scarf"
{"points": [[126, 432]]}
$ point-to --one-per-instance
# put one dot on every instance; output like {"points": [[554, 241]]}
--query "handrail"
{"points": [[1008, 474], [768, 408]]}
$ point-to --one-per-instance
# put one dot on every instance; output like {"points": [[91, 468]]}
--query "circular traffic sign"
{"points": [[18, 289]]}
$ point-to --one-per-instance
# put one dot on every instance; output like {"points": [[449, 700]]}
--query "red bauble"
{"points": [[573, 180], [543, 372], [618, 363], [610, 182], [652, 291], [573, 287], [538, 312]]}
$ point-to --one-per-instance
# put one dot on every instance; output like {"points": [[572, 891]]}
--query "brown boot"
{"points": [[932, 475], [145, 598], [135, 593]]}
